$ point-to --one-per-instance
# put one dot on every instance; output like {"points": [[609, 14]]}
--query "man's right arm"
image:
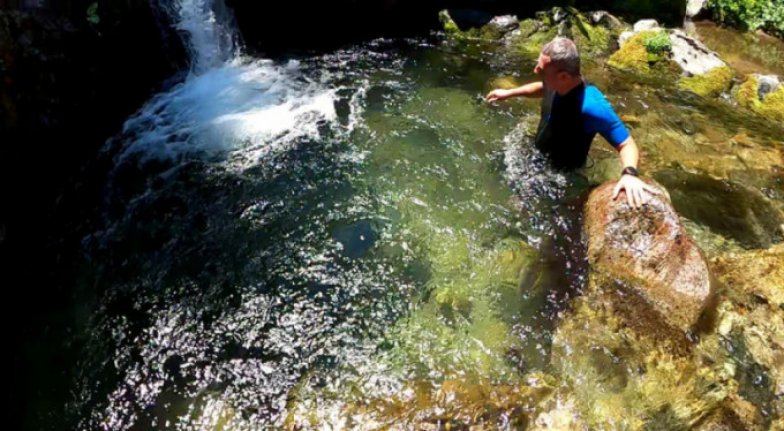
{"points": [[534, 89]]}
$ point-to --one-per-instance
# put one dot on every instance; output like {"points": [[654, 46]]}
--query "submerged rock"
{"points": [[621, 378], [727, 208], [751, 331], [647, 260], [757, 274]]}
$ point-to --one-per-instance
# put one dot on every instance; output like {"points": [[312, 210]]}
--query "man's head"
{"points": [[559, 65]]}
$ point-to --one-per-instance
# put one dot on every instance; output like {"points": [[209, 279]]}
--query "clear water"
{"points": [[300, 242]]}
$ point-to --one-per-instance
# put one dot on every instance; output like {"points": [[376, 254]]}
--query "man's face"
{"points": [[551, 77]]}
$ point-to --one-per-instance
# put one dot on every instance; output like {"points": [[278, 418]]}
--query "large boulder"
{"points": [[693, 57], [646, 260], [651, 50], [592, 32]]}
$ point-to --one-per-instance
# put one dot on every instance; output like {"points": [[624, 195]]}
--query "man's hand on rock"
{"points": [[636, 190]]}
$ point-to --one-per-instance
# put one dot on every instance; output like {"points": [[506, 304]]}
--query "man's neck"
{"points": [[575, 82]]}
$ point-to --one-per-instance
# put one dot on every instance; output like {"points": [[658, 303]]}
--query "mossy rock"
{"points": [[635, 56], [531, 44], [591, 40], [772, 106], [711, 84], [452, 30]]}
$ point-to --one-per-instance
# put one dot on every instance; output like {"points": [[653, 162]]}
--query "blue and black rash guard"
{"points": [[570, 122]]}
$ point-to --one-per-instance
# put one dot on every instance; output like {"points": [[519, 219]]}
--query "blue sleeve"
{"points": [[601, 118]]}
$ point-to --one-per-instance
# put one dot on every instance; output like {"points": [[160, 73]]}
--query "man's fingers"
{"points": [[629, 198], [652, 190], [644, 198], [640, 197], [616, 190]]}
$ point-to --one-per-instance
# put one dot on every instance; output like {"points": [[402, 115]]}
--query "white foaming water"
{"points": [[229, 106], [208, 31], [242, 109]]}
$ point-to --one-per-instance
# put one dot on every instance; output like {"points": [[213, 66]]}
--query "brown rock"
{"points": [[646, 257]]}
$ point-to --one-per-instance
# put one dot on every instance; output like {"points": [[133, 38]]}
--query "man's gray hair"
{"points": [[563, 54]]}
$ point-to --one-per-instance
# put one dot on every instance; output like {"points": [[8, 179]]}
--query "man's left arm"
{"points": [[605, 121], [634, 187]]}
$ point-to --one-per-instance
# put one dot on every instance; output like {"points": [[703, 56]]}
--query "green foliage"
{"points": [[657, 42], [92, 14], [646, 53], [750, 14]]}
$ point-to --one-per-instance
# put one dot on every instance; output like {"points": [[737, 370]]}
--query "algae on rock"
{"points": [[635, 55], [711, 84], [771, 107]]}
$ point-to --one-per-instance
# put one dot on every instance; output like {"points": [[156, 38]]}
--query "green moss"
{"points": [[635, 57], [746, 94], [487, 32], [632, 56], [590, 39], [657, 42], [528, 27], [773, 105], [531, 45], [710, 84], [450, 27]]}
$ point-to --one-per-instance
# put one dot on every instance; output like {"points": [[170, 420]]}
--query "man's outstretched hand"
{"points": [[636, 190], [497, 95]]}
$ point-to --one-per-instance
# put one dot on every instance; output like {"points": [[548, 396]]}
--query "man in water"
{"points": [[573, 112]]}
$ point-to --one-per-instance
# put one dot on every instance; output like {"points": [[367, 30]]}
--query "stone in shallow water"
{"points": [[759, 273], [727, 208], [766, 84], [646, 259], [762, 94], [356, 238]]}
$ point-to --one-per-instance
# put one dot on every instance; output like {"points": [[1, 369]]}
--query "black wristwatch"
{"points": [[630, 170]]}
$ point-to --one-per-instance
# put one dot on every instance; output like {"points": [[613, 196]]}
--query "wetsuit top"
{"points": [[570, 122]]}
